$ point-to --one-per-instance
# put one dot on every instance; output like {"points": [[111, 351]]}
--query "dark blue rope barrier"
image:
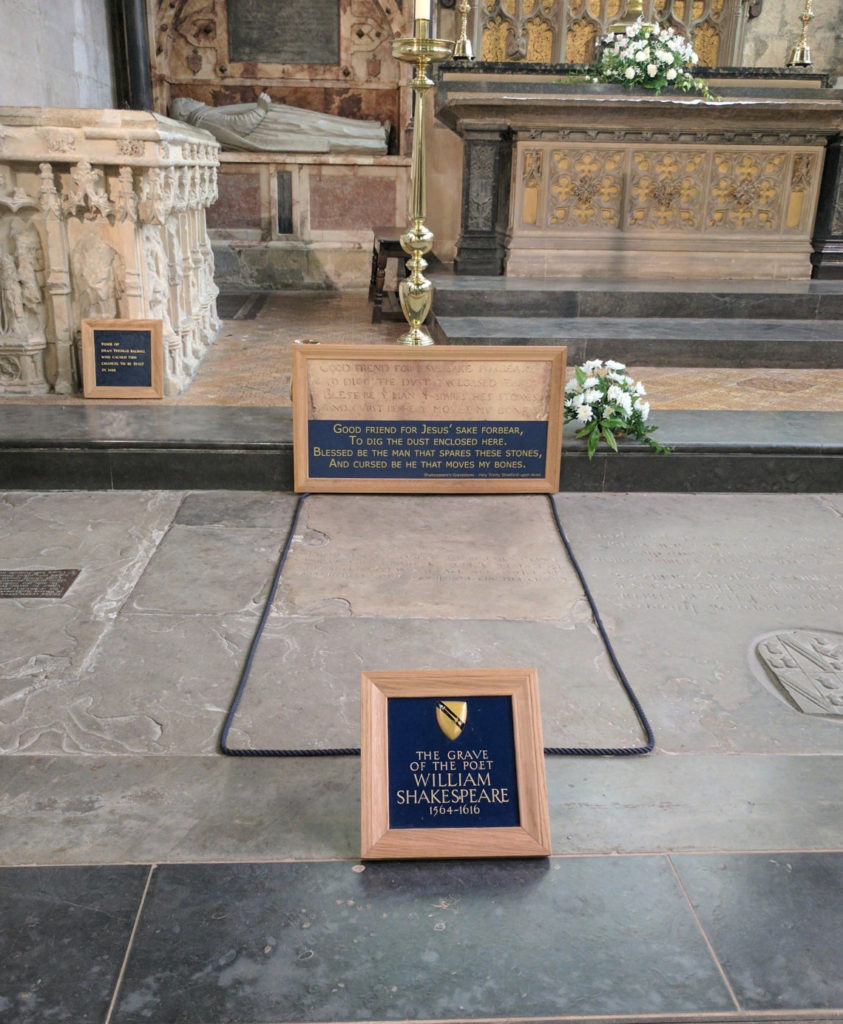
{"points": [[355, 751]]}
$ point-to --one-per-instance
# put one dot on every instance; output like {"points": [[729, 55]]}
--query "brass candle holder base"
{"points": [[416, 292]]}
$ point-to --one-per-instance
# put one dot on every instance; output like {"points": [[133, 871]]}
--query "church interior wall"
{"points": [[771, 36], [55, 54]]}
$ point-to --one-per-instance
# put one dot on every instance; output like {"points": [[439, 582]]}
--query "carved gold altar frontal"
{"points": [[455, 419], [634, 209]]}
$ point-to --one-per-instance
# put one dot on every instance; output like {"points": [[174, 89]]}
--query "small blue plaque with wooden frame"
{"points": [[122, 359], [452, 765]]}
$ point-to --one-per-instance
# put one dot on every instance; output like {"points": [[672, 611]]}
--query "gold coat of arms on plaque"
{"points": [[451, 716]]}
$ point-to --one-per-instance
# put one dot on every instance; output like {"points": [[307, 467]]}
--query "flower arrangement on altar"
{"points": [[648, 55], [606, 404]]}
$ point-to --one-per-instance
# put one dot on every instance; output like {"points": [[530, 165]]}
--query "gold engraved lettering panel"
{"points": [[666, 188], [747, 190], [586, 188]]}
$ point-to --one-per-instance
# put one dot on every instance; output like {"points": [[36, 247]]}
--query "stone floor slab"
{"points": [[776, 925], [431, 556], [64, 936], [156, 684], [327, 942], [110, 537], [304, 687], [119, 809], [207, 570], [686, 583]]}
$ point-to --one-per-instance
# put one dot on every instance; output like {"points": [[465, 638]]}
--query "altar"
{"points": [[570, 179]]}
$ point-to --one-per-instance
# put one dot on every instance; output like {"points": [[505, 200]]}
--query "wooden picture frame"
{"points": [[362, 414], [122, 359], [395, 826]]}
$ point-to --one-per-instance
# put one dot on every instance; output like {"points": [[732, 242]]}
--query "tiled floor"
{"points": [[643, 938], [249, 365], [146, 878]]}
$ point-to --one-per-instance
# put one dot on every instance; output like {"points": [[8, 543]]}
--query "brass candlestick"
{"points": [[415, 291], [462, 47], [800, 55]]}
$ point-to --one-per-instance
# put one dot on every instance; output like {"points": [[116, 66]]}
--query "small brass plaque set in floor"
{"points": [[452, 760]]}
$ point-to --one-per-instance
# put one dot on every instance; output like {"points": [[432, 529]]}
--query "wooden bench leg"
{"points": [[380, 277], [373, 274]]}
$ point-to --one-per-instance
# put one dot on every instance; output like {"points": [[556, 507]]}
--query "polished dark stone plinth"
{"points": [[213, 448]]}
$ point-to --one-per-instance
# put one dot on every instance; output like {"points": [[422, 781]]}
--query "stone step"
{"points": [[59, 447], [660, 341], [477, 296]]}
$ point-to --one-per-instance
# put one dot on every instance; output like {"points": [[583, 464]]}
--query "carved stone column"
{"points": [[487, 162], [102, 214]]}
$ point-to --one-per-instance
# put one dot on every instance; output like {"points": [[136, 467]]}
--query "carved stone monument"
{"points": [[265, 126], [102, 215]]}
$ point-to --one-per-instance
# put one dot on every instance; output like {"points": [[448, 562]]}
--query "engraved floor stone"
{"points": [[112, 536], [440, 557], [50, 583], [686, 583], [304, 688], [805, 668]]}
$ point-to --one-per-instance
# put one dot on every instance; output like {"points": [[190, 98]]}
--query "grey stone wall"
{"points": [[55, 53], [771, 36]]}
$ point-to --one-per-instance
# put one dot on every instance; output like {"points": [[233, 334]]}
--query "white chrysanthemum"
{"points": [[592, 396], [619, 378], [585, 413], [639, 388], [576, 401], [614, 393], [625, 402], [612, 365], [590, 382], [630, 73], [642, 407], [572, 385], [591, 365]]}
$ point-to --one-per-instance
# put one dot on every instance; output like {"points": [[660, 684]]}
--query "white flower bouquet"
{"points": [[606, 404], [648, 55]]}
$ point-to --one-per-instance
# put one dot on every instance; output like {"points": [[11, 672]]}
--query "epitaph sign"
{"points": [[295, 32], [122, 359], [448, 419], [453, 765]]}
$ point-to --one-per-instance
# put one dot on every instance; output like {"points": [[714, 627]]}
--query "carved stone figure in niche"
{"points": [[98, 277], [275, 127], [30, 263], [11, 297]]}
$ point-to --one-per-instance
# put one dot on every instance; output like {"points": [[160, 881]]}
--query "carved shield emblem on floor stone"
{"points": [[451, 716], [803, 668]]}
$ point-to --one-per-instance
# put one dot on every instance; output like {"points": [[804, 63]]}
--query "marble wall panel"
{"points": [[239, 202], [347, 201]]}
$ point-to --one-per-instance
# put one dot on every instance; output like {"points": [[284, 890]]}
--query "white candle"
{"points": [[422, 10]]}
